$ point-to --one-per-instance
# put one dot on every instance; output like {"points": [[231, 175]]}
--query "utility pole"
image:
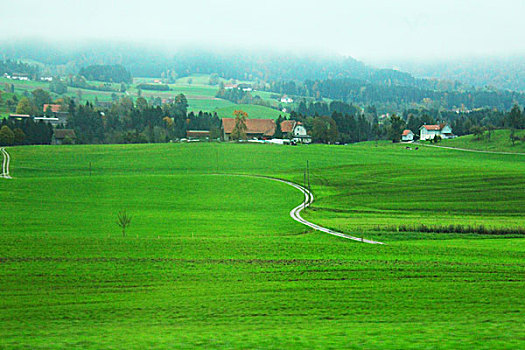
{"points": [[217, 159], [304, 186], [308, 172]]}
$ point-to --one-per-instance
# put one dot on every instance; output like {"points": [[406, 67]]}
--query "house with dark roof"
{"points": [[429, 132], [198, 134], [20, 117], [255, 128], [59, 135]]}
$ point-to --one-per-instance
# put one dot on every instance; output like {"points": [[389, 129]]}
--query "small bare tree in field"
{"points": [[123, 221]]}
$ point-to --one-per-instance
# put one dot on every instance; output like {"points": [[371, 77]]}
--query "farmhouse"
{"points": [[49, 120], [245, 87], [255, 128], [295, 131], [20, 117], [198, 134], [407, 135], [20, 76], [286, 99], [428, 132], [51, 108], [59, 135]]}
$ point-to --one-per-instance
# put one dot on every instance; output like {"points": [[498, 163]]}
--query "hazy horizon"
{"points": [[377, 32]]}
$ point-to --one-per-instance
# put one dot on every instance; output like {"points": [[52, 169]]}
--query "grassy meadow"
{"points": [[498, 142], [215, 261], [200, 95], [254, 111]]}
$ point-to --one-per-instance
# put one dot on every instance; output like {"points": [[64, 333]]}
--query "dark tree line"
{"points": [[27, 132], [11, 66], [129, 121], [239, 96], [398, 96], [354, 124], [108, 73]]}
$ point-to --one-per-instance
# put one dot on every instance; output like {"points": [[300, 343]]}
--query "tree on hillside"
{"points": [[19, 136], [324, 129], [214, 79], [58, 86], [396, 128], [239, 130], [181, 102], [141, 104], [25, 106], [278, 134], [515, 119], [513, 137], [7, 137], [478, 132], [41, 97]]}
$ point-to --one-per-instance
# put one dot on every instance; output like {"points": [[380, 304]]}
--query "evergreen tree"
{"points": [[7, 137], [278, 134]]}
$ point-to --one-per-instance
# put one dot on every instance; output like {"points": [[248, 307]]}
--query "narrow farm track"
{"points": [[5, 164], [471, 150], [295, 213]]}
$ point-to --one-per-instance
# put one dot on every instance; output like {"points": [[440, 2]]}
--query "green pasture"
{"points": [[215, 261], [499, 141], [200, 95], [254, 111]]}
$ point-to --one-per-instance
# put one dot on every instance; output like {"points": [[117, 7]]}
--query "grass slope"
{"points": [[205, 265], [254, 111], [499, 142]]}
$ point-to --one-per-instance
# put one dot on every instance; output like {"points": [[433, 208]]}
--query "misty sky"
{"points": [[372, 30]]}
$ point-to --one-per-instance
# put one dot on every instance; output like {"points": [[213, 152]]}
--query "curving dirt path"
{"points": [[470, 150], [295, 213], [5, 164]]}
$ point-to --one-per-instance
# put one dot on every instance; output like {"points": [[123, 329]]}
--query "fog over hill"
{"points": [[499, 72]]}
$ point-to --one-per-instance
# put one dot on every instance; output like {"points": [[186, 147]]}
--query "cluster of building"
{"points": [[25, 77], [243, 87], [258, 129], [429, 132], [53, 116]]}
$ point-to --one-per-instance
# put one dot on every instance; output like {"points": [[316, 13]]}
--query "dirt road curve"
{"points": [[308, 199], [5, 164], [471, 150]]}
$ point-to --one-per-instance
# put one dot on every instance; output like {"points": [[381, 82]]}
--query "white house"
{"points": [[428, 132], [286, 99], [407, 136], [295, 131]]}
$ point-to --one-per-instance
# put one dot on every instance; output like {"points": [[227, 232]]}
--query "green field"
{"points": [[254, 111], [200, 95], [215, 261], [499, 142]]}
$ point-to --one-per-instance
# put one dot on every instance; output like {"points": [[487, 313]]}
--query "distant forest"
{"points": [[115, 73], [399, 96], [313, 77]]}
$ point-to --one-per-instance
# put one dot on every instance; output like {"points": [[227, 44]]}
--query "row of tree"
{"points": [[109, 73], [129, 121], [26, 132], [399, 96]]}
